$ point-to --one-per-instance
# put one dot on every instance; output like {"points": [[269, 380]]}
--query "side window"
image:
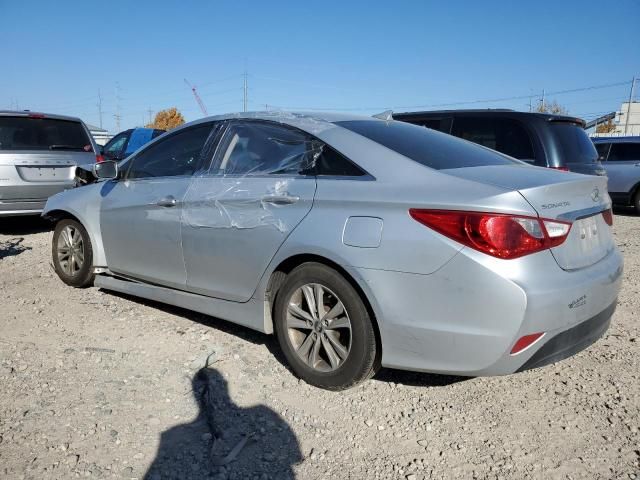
{"points": [[504, 135], [603, 150], [330, 162], [259, 149], [115, 146], [624, 152], [177, 155]]}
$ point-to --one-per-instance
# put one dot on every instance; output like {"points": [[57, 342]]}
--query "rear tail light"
{"points": [[525, 342], [608, 217], [562, 169], [500, 235], [99, 158]]}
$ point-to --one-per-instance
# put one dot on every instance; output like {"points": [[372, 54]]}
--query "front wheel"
{"points": [[72, 254], [324, 329], [636, 201]]}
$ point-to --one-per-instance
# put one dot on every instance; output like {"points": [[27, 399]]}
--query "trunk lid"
{"points": [[50, 167], [578, 199]]}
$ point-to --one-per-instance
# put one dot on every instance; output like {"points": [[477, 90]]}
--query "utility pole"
{"points": [[150, 112], [542, 108], [626, 122], [244, 101], [100, 108], [117, 115]]}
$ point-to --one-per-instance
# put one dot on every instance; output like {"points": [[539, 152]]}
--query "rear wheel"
{"points": [[72, 254], [324, 328], [636, 201]]}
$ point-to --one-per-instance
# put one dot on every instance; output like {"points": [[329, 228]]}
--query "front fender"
{"points": [[82, 203]]}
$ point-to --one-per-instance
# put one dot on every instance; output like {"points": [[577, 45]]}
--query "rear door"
{"points": [[623, 167], [140, 213], [239, 213]]}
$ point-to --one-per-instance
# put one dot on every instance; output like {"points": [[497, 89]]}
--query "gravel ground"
{"points": [[99, 385]]}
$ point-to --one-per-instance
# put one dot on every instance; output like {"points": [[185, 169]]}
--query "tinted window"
{"points": [[428, 147], [29, 133], [177, 155], [114, 148], [501, 134], [258, 149], [603, 150], [440, 124], [573, 143], [330, 162], [625, 152]]}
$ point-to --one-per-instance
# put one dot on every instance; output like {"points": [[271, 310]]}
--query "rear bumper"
{"points": [[572, 341], [465, 318], [28, 200]]}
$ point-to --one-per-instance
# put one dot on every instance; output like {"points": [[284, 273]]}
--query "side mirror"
{"points": [[106, 170]]}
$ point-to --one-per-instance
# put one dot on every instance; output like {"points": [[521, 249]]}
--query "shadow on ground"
{"points": [[26, 225], [415, 379], [12, 247], [225, 440]]}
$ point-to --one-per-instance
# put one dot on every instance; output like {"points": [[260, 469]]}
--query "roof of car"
{"points": [[495, 112], [629, 139], [29, 113]]}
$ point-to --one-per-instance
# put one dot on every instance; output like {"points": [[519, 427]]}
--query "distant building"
{"points": [[632, 127], [100, 135]]}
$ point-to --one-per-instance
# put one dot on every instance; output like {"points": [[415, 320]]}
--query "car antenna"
{"points": [[387, 115]]}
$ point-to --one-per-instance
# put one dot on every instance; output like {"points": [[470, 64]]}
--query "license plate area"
{"points": [[45, 173], [589, 241]]}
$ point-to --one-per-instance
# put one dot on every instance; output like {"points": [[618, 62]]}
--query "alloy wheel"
{"points": [[319, 328], [70, 250]]}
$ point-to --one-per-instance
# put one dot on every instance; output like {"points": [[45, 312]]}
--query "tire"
{"points": [[308, 342], [75, 268], [636, 201]]}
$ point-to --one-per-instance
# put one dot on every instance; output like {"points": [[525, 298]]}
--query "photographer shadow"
{"points": [[226, 440]]}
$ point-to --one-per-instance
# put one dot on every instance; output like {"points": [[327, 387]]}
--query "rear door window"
{"points": [[425, 146], [502, 134], [574, 144], [624, 152], [113, 149], [37, 133]]}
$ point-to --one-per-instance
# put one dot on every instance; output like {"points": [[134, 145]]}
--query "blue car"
{"points": [[127, 142]]}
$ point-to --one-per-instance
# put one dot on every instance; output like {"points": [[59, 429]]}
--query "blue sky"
{"points": [[353, 56]]}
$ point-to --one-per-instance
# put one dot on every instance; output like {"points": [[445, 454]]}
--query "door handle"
{"points": [[284, 199], [168, 201]]}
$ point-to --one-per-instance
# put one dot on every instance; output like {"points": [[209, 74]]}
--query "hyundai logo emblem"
{"points": [[595, 195]]}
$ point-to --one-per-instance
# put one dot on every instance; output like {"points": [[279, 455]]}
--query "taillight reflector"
{"points": [[608, 217], [99, 158], [500, 235], [525, 342], [562, 169]]}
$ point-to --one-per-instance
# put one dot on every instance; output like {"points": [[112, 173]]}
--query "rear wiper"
{"points": [[65, 147]]}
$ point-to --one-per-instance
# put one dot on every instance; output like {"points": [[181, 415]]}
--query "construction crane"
{"points": [[198, 99]]}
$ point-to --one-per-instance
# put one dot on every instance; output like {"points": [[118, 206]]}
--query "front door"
{"points": [[140, 213], [237, 215]]}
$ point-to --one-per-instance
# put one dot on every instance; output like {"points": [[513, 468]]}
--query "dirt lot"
{"points": [[98, 385]]}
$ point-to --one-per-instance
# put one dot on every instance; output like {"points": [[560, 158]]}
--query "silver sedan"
{"points": [[358, 242]]}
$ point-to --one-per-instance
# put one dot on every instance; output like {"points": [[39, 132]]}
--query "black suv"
{"points": [[542, 139]]}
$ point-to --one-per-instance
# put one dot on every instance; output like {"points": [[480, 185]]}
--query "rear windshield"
{"points": [[29, 133], [423, 145], [573, 143]]}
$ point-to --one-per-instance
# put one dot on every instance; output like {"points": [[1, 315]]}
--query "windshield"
{"points": [[428, 147], [574, 144], [29, 133]]}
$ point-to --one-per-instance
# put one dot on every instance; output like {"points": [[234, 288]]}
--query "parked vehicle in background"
{"points": [[358, 242], [125, 143], [38, 158], [620, 157], [541, 139]]}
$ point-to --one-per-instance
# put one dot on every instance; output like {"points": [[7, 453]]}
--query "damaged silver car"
{"points": [[358, 242]]}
